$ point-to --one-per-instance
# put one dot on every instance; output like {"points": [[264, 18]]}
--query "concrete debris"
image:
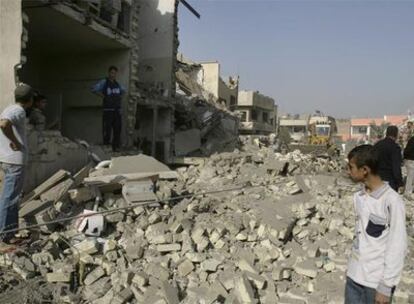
{"points": [[187, 141], [270, 239]]}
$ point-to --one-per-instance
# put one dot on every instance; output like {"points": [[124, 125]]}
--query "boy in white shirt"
{"points": [[380, 243]]}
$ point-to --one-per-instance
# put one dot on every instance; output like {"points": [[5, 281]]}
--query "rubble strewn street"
{"points": [[280, 234]]}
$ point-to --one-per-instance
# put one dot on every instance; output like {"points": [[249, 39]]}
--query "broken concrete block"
{"points": [[198, 234], [126, 278], [157, 271], [87, 247], [123, 297], [219, 244], [227, 279], [170, 293], [55, 277], [139, 210], [94, 275], [155, 234], [257, 280], [246, 266], [306, 268], [313, 251], [185, 268], [45, 186], [176, 227], [33, 207], [81, 195], [210, 265], [310, 287], [242, 236], [154, 218], [168, 247], [244, 291], [141, 279], [329, 266], [109, 245], [203, 244]]}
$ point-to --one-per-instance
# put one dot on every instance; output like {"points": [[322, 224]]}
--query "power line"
{"points": [[132, 206]]}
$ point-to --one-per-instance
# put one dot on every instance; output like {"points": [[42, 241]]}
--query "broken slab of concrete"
{"points": [[46, 185], [140, 163]]}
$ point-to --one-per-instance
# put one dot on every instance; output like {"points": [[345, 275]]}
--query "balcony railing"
{"points": [[115, 14]]}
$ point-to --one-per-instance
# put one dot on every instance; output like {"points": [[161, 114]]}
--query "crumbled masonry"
{"points": [[283, 238]]}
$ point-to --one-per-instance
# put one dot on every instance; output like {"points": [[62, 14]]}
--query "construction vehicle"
{"points": [[321, 129]]}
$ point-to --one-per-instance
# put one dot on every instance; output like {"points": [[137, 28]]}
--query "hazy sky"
{"points": [[345, 58]]}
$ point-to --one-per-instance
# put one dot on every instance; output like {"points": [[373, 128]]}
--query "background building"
{"points": [[258, 113]]}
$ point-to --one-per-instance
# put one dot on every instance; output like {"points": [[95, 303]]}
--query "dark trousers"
{"points": [[359, 294], [112, 125]]}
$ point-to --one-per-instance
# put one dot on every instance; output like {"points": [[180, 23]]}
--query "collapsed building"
{"points": [[205, 122], [62, 48]]}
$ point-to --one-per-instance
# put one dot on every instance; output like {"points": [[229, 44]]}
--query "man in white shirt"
{"points": [[377, 257], [13, 157]]}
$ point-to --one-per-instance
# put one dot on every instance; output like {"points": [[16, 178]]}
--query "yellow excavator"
{"points": [[321, 129]]}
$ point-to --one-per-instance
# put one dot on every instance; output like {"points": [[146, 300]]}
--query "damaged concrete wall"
{"points": [[211, 75], [163, 131], [228, 94], [49, 152], [225, 93], [158, 43], [11, 29], [134, 91], [65, 73]]}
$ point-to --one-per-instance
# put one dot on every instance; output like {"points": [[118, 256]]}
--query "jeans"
{"points": [[359, 294], [409, 165], [112, 125], [10, 197]]}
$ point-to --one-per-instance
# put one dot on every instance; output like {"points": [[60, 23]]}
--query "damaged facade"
{"points": [[296, 125], [258, 113], [203, 122], [141, 39]]}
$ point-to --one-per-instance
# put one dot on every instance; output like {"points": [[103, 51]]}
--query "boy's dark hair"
{"points": [[365, 155], [392, 131], [112, 68]]}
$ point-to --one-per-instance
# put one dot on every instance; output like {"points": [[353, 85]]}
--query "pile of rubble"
{"points": [[244, 227]]}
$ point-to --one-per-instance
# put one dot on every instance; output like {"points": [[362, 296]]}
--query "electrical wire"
{"points": [[132, 206]]}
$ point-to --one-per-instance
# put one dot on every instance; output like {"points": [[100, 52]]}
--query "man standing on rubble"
{"points": [[13, 156], [390, 159], [111, 92]]}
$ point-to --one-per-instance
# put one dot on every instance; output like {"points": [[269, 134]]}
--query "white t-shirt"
{"points": [[17, 116]]}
